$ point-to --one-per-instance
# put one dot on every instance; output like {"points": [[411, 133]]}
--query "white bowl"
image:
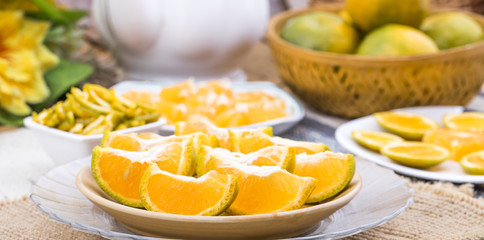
{"points": [[64, 146]]}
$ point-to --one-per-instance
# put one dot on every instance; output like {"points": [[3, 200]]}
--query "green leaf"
{"points": [[70, 17], [7, 118], [61, 78], [51, 11]]}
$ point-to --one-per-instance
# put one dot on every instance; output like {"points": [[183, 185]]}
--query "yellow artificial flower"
{"points": [[23, 61]]}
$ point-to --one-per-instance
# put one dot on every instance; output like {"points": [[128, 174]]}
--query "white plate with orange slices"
{"points": [[448, 170], [186, 186], [294, 112]]}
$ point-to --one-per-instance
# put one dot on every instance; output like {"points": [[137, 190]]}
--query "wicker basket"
{"points": [[354, 86]]}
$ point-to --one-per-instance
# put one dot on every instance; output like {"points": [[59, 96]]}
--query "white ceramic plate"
{"points": [[56, 194], [446, 171], [280, 125]]}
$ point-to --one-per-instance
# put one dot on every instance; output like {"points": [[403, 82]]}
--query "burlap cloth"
{"points": [[439, 211]]}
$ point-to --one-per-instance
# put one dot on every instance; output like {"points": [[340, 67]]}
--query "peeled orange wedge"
{"points": [[473, 163], [118, 172], [208, 195], [333, 171], [407, 125], [374, 140], [415, 154], [467, 121], [280, 156]]}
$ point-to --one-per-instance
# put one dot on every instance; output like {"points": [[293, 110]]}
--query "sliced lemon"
{"points": [[415, 154], [208, 195], [119, 172], [407, 125], [467, 121], [333, 171], [374, 140], [473, 163]]}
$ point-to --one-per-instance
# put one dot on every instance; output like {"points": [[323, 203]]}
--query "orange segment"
{"points": [[280, 156], [467, 121], [267, 189], [374, 140], [407, 125], [415, 154], [301, 146], [208, 195], [473, 163], [458, 142], [213, 100], [118, 172], [333, 171]]}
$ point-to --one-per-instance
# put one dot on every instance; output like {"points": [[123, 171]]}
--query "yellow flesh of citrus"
{"points": [[468, 121], [473, 163], [333, 171], [118, 172], [415, 154], [459, 143], [374, 140], [267, 189], [407, 125], [208, 195]]}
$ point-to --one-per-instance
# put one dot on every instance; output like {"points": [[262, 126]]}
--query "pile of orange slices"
{"points": [[213, 100], [418, 141], [207, 170]]}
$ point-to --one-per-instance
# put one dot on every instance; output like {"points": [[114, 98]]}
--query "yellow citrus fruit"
{"points": [[322, 31], [280, 156], [473, 163], [333, 171], [209, 195], [407, 125], [467, 121], [415, 154], [396, 40], [118, 172], [374, 140], [213, 100], [266, 189], [371, 14], [459, 143], [462, 147], [452, 29], [250, 142]]}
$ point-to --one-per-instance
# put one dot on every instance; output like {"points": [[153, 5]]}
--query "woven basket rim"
{"points": [[275, 23]]}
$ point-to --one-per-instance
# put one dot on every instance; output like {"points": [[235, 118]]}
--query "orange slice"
{"points": [[467, 121], [119, 172], [415, 154], [374, 140], [333, 171], [224, 136], [267, 189], [459, 143], [208, 195], [473, 163], [280, 156], [407, 125], [252, 141]]}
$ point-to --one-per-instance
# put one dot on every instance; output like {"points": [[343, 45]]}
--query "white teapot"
{"points": [[161, 39]]}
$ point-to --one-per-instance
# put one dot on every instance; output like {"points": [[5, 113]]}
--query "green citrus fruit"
{"points": [[371, 14], [396, 40], [322, 31], [452, 29]]}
